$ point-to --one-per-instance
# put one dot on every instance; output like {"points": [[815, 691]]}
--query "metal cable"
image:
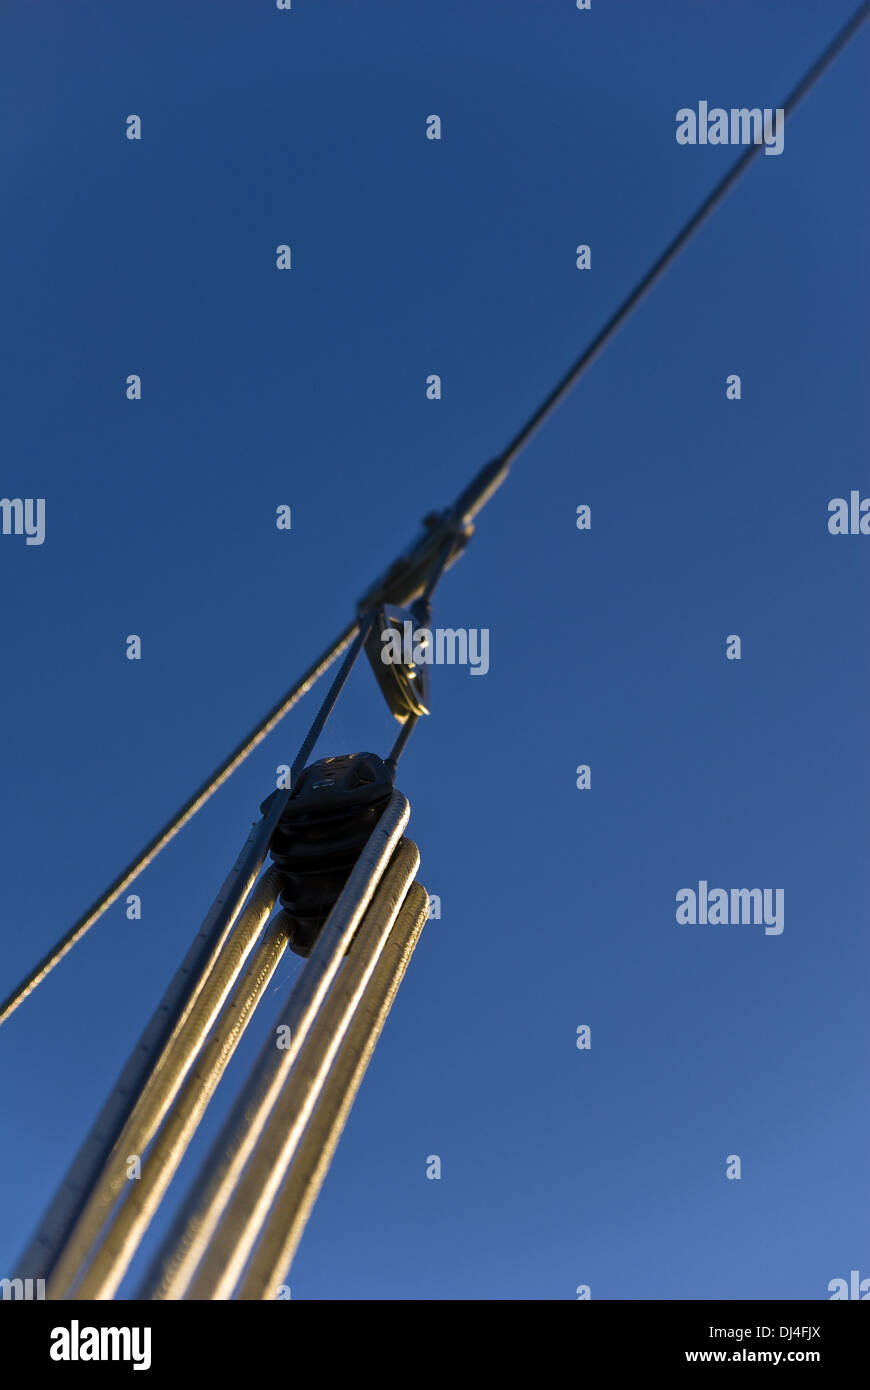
{"points": [[172, 827], [392, 759], [163, 1084], [286, 1222], [227, 1252], [469, 503], [365, 626], [175, 1263], [40, 1258], [120, 1242], [490, 478]]}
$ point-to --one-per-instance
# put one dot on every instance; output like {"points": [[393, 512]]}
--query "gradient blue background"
{"points": [[307, 388]]}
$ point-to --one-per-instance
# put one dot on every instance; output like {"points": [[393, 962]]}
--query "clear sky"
{"points": [[561, 1167]]}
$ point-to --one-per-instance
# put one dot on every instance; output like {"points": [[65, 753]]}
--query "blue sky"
{"points": [[307, 388]]}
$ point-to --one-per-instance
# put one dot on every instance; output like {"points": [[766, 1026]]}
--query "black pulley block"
{"points": [[335, 805]]}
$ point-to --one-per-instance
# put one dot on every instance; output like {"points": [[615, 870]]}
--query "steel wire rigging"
{"points": [[343, 873], [461, 514]]}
